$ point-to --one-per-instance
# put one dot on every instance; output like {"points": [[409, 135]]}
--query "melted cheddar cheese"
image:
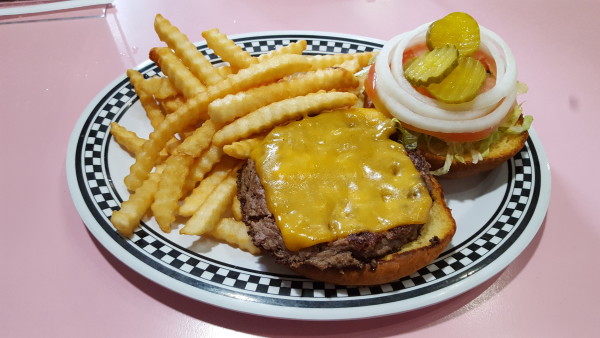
{"points": [[338, 173]]}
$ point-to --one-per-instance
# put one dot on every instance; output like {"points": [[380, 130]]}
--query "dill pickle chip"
{"points": [[462, 84], [459, 29], [433, 66], [408, 63]]}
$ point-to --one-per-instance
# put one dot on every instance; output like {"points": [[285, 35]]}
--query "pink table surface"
{"points": [[57, 280]]}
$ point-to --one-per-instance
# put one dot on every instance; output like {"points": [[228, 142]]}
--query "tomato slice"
{"points": [[488, 62], [454, 137], [371, 90], [414, 51]]}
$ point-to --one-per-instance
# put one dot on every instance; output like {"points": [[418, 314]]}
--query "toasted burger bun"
{"points": [[500, 152], [434, 238]]}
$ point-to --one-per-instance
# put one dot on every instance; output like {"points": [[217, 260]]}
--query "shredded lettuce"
{"points": [[527, 120], [363, 72], [409, 140], [476, 156], [456, 150], [446, 167], [479, 149], [521, 88]]}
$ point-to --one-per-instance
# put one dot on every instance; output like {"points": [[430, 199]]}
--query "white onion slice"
{"points": [[423, 112], [415, 100], [493, 119], [506, 70]]}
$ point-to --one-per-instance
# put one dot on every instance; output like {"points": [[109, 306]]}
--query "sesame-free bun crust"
{"points": [[434, 238]]}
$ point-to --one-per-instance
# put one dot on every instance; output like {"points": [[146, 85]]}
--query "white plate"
{"points": [[497, 215]]}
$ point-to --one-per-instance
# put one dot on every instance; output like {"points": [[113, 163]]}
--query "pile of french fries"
{"points": [[206, 119]]}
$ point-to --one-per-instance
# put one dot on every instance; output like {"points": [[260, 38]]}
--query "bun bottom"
{"points": [[434, 238], [502, 150]]}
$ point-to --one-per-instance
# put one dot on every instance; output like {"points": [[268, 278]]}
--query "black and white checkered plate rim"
{"points": [[499, 240]]}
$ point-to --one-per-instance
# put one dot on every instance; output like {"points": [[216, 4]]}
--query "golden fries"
{"points": [[128, 217], [352, 65], [224, 70], [234, 233], [204, 164], [259, 74], [178, 73], [236, 208], [242, 149], [153, 111], [190, 113], [333, 60], [206, 186], [199, 140], [171, 104], [133, 143], [159, 87], [269, 116], [293, 48], [195, 108], [127, 139], [170, 190], [191, 57], [207, 119], [205, 219], [233, 106], [227, 49]]}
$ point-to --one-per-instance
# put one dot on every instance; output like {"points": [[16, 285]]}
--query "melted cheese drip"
{"points": [[338, 173]]}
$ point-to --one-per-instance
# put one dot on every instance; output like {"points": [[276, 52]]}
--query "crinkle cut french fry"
{"points": [[177, 72], [205, 219], [172, 103], [170, 190], [234, 233], [269, 116], [293, 48], [131, 142], [364, 58], [153, 111], [199, 195], [204, 164], [227, 49], [242, 149], [259, 74], [194, 109], [195, 144], [331, 60], [129, 216], [187, 52], [233, 106], [190, 113], [126, 138], [224, 70], [352, 65], [236, 208], [188, 131], [172, 144], [159, 87]]}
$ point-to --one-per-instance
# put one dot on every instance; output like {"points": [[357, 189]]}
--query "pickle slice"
{"points": [[432, 67], [459, 29], [462, 84]]}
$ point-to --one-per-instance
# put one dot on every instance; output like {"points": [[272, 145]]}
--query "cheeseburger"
{"points": [[336, 198]]}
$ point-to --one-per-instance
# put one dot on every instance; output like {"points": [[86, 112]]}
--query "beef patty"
{"points": [[353, 251]]}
